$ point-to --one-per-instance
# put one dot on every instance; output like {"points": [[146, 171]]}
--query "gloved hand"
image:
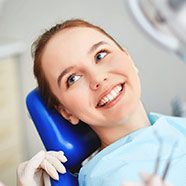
{"points": [[148, 180], [37, 170], [1, 184]]}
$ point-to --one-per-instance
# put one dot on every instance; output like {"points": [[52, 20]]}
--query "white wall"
{"points": [[162, 74]]}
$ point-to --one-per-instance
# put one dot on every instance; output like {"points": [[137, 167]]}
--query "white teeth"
{"points": [[119, 88], [113, 93], [109, 97], [105, 99]]}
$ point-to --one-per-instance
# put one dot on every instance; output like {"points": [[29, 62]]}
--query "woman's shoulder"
{"points": [[174, 122], [153, 117]]}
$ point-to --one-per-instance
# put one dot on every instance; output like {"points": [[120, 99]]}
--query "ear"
{"points": [[67, 115]]}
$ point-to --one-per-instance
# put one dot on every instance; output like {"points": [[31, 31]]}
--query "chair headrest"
{"points": [[77, 141]]}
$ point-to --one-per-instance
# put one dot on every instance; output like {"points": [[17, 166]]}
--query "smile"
{"points": [[112, 97]]}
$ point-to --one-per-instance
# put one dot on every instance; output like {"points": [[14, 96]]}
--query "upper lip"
{"points": [[107, 92]]}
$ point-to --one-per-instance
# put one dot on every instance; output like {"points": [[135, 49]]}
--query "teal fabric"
{"points": [[124, 159]]}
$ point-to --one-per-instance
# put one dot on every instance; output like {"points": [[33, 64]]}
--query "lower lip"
{"points": [[115, 100]]}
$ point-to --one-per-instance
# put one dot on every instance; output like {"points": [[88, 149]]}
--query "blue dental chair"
{"points": [[76, 141]]}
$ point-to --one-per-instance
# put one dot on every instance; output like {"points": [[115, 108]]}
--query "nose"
{"points": [[98, 81]]}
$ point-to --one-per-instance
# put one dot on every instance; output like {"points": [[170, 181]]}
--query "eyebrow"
{"points": [[63, 73], [68, 69], [96, 45]]}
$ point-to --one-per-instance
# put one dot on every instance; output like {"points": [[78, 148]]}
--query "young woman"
{"points": [[86, 75]]}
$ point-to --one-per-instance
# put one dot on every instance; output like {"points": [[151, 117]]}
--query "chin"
{"points": [[125, 112]]}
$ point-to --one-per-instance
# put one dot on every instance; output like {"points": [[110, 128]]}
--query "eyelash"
{"points": [[68, 78], [101, 51], [71, 75]]}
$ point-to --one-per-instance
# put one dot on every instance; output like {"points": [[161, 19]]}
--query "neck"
{"points": [[135, 121]]}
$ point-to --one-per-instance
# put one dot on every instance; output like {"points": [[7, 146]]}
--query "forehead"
{"points": [[70, 48], [74, 41]]}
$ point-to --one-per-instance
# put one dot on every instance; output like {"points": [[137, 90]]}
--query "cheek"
{"points": [[76, 99], [135, 84], [120, 63]]}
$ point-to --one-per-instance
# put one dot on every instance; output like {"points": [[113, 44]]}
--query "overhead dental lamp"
{"points": [[164, 21]]}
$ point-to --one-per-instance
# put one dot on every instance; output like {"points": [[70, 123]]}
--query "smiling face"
{"points": [[91, 76]]}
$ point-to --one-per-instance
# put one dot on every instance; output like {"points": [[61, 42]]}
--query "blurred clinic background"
{"points": [[162, 74]]}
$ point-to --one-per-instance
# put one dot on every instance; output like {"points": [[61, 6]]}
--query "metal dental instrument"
{"points": [[169, 161], [157, 162], [159, 152]]}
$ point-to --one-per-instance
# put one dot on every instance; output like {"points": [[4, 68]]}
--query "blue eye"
{"points": [[72, 79], [100, 55]]}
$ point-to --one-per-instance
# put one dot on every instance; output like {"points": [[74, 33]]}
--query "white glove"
{"points": [[148, 180], [1, 184], [37, 170]]}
